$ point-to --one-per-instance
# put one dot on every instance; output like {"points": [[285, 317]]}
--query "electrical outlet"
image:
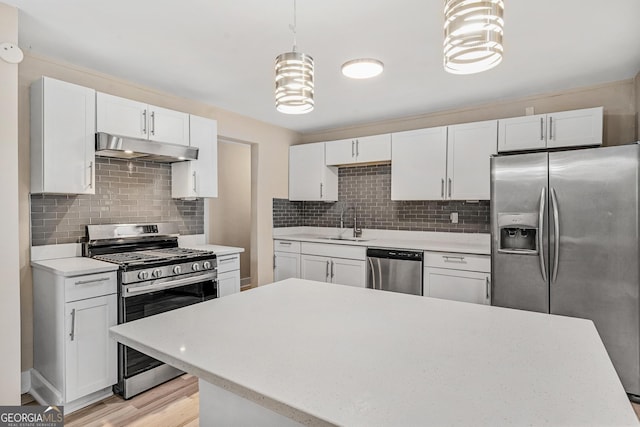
{"points": [[454, 217], [528, 111]]}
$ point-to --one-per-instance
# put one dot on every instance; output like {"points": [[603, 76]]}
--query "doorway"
{"points": [[230, 221]]}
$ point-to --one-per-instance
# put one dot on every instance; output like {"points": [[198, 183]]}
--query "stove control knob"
{"points": [[157, 273], [206, 265], [177, 269], [143, 275], [195, 266]]}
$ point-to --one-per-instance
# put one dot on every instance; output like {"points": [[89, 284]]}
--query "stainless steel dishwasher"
{"points": [[395, 270]]}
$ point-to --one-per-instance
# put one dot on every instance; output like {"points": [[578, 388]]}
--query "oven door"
{"points": [[143, 300]]}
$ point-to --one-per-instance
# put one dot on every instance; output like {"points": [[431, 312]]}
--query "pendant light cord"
{"points": [[294, 26]]}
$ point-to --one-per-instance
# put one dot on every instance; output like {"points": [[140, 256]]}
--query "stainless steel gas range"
{"points": [[155, 276]]}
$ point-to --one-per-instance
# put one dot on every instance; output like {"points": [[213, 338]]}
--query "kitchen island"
{"points": [[302, 352]]}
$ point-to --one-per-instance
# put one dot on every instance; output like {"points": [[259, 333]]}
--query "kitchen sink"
{"points": [[350, 239]]}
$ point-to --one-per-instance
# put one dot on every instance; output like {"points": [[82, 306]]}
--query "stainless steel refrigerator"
{"points": [[565, 232]]}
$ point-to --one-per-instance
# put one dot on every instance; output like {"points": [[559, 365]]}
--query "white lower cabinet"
{"points": [[228, 274], [350, 272], [286, 259], [458, 277], [88, 345], [75, 360], [339, 264]]}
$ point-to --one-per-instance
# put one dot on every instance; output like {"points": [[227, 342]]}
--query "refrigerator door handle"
{"points": [[543, 267], [556, 231]]}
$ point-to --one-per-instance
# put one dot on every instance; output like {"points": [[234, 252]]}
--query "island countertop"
{"points": [[329, 354]]}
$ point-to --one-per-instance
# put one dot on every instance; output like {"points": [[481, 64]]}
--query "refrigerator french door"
{"points": [[565, 230]]}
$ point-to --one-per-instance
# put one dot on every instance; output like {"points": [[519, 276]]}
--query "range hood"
{"points": [[108, 145]]}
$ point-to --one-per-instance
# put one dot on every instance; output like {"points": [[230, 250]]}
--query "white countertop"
{"points": [[74, 266], [468, 243], [360, 357]]}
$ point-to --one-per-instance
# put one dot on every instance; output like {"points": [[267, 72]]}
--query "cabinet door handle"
{"points": [[327, 272], [194, 181], [153, 123], [90, 174], [357, 147], [144, 122], [274, 261], [450, 185], [86, 282], [486, 285], [332, 269], [353, 144], [541, 129], [320, 190], [285, 243], [550, 128], [442, 188], [448, 257], [72, 334]]}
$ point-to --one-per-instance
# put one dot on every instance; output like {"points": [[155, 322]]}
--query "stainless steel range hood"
{"points": [[108, 145]]}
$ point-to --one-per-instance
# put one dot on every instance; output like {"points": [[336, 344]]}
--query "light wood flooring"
{"points": [[172, 404]]}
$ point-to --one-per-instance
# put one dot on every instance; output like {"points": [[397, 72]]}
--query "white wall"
{"points": [[9, 259]]}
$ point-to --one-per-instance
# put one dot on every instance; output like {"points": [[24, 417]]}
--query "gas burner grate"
{"points": [[128, 257], [180, 252]]}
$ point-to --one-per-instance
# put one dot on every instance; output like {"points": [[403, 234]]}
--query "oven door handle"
{"points": [[171, 284]]}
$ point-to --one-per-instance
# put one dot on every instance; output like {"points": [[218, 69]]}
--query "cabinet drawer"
{"points": [[286, 246], [458, 261], [334, 251], [90, 286], [228, 263]]}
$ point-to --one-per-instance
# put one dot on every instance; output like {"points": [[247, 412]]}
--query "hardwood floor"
{"points": [[172, 404]]}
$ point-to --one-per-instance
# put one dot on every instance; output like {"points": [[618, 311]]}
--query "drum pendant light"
{"points": [[472, 35], [294, 78]]}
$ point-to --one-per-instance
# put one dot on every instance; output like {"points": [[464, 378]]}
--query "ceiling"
{"points": [[222, 52]]}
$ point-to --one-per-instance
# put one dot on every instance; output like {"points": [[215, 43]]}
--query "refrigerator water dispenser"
{"points": [[518, 233]]}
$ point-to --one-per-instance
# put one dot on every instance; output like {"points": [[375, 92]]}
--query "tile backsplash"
{"points": [[368, 190], [127, 191]]}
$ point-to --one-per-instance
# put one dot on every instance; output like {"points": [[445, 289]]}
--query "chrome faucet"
{"points": [[357, 232]]}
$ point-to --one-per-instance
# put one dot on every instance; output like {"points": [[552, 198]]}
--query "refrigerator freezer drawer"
{"points": [[458, 261]]}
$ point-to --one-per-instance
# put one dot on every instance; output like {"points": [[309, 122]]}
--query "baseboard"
{"points": [[43, 391], [46, 394], [25, 381]]}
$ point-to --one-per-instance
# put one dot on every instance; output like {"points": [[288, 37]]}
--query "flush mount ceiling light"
{"points": [[362, 68], [472, 35], [294, 78]]}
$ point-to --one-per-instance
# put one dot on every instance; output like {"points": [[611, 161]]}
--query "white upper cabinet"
{"points": [[554, 130], [124, 117], [443, 163], [419, 164], [575, 128], [309, 177], [62, 137], [198, 178], [469, 150], [368, 149], [340, 152], [522, 133]]}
